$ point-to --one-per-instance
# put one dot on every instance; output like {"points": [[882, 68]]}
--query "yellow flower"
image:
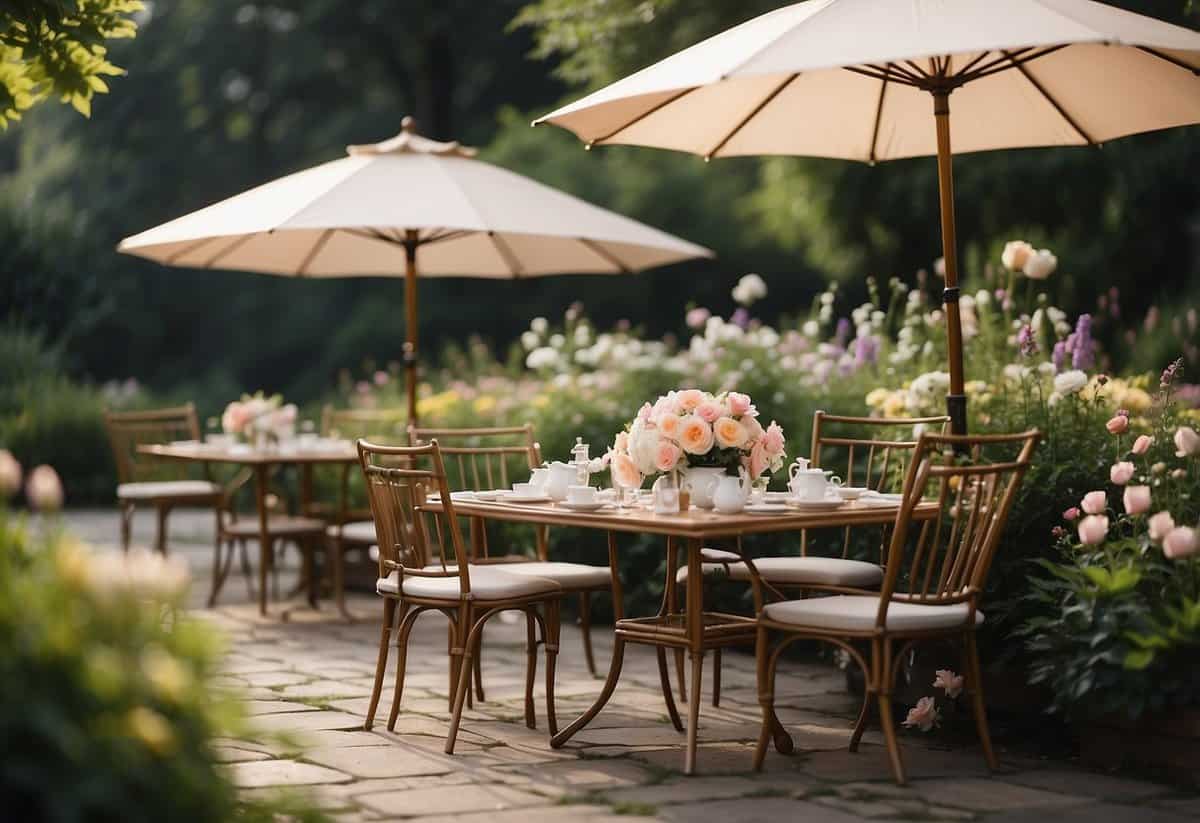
{"points": [[974, 387], [484, 404], [540, 401], [895, 405], [876, 397], [1136, 400], [151, 729], [166, 674]]}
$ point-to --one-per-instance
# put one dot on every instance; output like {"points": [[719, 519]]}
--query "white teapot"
{"points": [[809, 483], [559, 476], [730, 493]]}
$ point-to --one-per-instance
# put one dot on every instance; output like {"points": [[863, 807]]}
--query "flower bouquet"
{"points": [[692, 429], [259, 418]]}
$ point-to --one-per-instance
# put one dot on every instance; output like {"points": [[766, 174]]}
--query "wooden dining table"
{"points": [[261, 462], [694, 629]]}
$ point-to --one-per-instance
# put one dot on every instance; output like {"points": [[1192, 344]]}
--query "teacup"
{"points": [[538, 478], [524, 489], [581, 495]]}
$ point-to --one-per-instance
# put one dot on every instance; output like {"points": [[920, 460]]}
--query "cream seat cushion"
{"points": [[799, 571], [361, 531], [279, 526], [167, 488], [856, 613], [568, 575], [486, 584]]}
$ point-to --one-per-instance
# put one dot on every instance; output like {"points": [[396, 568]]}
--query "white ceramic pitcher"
{"points": [[560, 476], [731, 493], [809, 483]]}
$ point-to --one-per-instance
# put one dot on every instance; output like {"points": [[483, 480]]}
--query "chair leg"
{"points": [[716, 695], [680, 676], [246, 571], [385, 637], [126, 525], [531, 645], [478, 670], [463, 688], [585, 625], [401, 662], [222, 560], [765, 676], [335, 550], [974, 677], [664, 678], [160, 534], [553, 624], [881, 661], [864, 714]]}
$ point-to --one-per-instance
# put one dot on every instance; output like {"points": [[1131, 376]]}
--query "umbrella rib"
{"points": [[876, 73], [186, 250], [445, 236], [506, 253], [1172, 60], [314, 251], [753, 113], [1057, 106], [611, 258], [642, 116], [878, 118], [230, 249], [1020, 58], [972, 64]]}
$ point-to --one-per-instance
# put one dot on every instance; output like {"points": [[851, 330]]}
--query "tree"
{"points": [[57, 48]]}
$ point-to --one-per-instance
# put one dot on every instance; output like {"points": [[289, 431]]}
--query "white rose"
{"points": [[529, 341], [1040, 265], [749, 289], [811, 328], [539, 325], [1015, 254], [1070, 382]]}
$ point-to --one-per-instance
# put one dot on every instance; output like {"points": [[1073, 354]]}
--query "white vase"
{"points": [[701, 482]]}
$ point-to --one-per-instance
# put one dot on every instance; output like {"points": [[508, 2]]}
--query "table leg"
{"points": [[264, 534], [694, 622]]}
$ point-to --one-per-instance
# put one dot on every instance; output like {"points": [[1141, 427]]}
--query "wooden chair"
{"points": [[864, 451], [144, 481], [482, 459], [410, 535], [931, 592]]}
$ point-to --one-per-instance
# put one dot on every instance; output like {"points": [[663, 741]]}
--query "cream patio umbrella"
{"points": [[373, 212], [854, 79]]}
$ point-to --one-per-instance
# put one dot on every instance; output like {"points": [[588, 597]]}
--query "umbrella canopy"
{"points": [[370, 213], [853, 79]]}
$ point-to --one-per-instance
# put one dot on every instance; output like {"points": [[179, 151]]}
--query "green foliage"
{"points": [[58, 48], [110, 710]]}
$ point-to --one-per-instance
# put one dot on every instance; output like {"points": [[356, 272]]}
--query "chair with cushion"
{"points": [[490, 458], [929, 591], [143, 481], [423, 566], [869, 452]]}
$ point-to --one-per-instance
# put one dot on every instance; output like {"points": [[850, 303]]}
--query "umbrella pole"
{"points": [[956, 400], [410, 307]]}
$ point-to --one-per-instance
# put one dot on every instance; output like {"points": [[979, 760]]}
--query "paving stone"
{"points": [[1088, 784], [1097, 813], [577, 775], [274, 679], [860, 808], [257, 707], [439, 801], [283, 773], [379, 761], [306, 721], [990, 795], [232, 754], [574, 813], [331, 689], [683, 790], [756, 810]]}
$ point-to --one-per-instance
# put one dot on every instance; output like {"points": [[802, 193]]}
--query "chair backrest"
{"points": [[129, 430], [973, 480], [483, 459], [377, 425], [410, 536], [867, 451]]}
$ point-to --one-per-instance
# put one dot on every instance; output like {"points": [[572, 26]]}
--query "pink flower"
{"points": [[753, 427], [1142, 444], [644, 412], [773, 439], [621, 442], [1071, 514], [1094, 502], [668, 424], [758, 461], [10, 474], [696, 318], [1180, 542], [924, 715], [1118, 424], [1137, 499], [235, 417], [624, 472], [666, 456], [1093, 529], [739, 403], [43, 489], [730, 434], [949, 681], [689, 399], [1121, 473], [695, 435], [381, 378], [709, 411], [1187, 442], [1160, 525]]}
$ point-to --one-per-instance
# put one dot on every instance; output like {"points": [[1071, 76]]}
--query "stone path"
{"points": [[309, 679]]}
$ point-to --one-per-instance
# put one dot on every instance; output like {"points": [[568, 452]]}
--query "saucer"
{"points": [[531, 498], [828, 504], [766, 508], [584, 507]]}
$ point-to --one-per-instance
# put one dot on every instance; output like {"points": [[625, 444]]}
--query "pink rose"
{"points": [[1120, 473], [668, 424], [235, 417], [1137, 499], [621, 442], [644, 412], [739, 403], [666, 456], [1093, 529], [43, 489], [758, 461], [1071, 514], [709, 411], [1180, 542], [1187, 442], [949, 681], [689, 399], [773, 439], [696, 318], [1094, 502], [1118, 424], [1142, 444], [624, 472], [753, 427], [924, 715], [1160, 525], [10, 474], [695, 435], [729, 433]]}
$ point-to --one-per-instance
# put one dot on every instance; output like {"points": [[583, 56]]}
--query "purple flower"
{"points": [[1059, 356], [842, 333], [1027, 341], [1170, 372], [696, 318], [741, 318], [866, 350], [1080, 344]]}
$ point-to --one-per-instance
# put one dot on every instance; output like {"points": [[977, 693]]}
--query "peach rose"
{"points": [[10, 474], [621, 442], [1015, 253], [773, 438], [1094, 502], [1121, 473], [689, 399], [1137, 499], [1180, 542], [695, 435], [235, 417], [1187, 442], [923, 716], [44, 490], [668, 424], [1093, 529], [1118, 424], [1160, 525], [950, 682], [753, 427], [624, 472], [729, 433], [666, 456], [739, 403], [710, 411], [758, 460], [1142, 444]]}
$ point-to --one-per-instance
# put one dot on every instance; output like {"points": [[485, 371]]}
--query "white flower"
{"points": [[1046, 369], [983, 298], [583, 334], [1070, 382], [540, 325], [749, 289], [542, 358], [939, 267], [530, 340], [1015, 254], [1040, 265], [811, 328], [43, 489], [826, 298], [557, 341]]}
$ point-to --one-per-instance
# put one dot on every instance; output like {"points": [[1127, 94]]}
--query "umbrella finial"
{"points": [[409, 142], [408, 125]]}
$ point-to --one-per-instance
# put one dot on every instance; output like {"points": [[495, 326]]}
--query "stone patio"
{"points": [[309, 680]]}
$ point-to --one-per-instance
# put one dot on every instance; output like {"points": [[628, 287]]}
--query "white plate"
{"points": [[533, 498], [766, 508], [777, 497], [825, 505], [585, 507]]}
